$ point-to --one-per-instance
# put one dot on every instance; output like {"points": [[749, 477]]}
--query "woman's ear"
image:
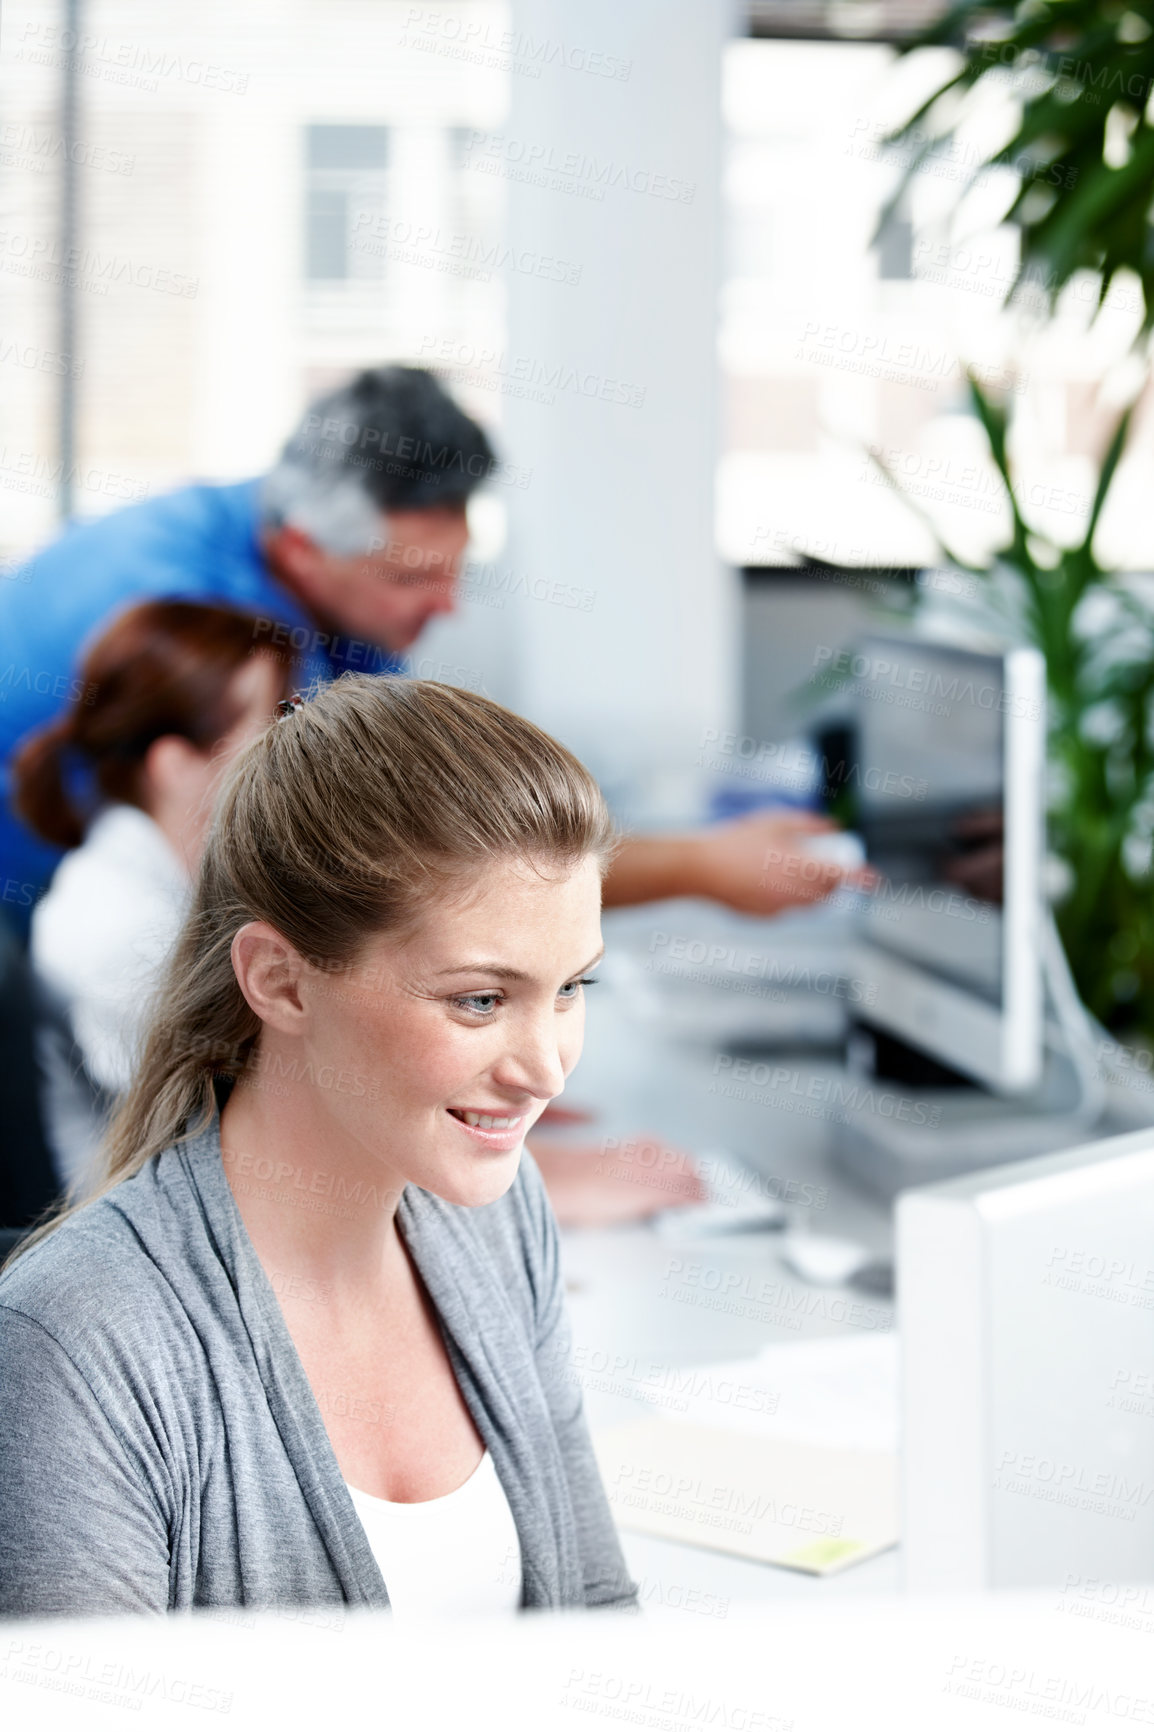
{"points": [[268, 972], [168, 767]]}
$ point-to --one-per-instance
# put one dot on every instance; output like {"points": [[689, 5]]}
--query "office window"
{"points": [[347, 193], [840, 345], [895, 250]]}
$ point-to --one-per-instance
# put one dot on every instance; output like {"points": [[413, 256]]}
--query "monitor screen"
{"points": [[930, 791]]}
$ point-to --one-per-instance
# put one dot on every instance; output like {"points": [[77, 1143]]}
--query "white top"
{"points": [[98, 943], [454, 1554]]}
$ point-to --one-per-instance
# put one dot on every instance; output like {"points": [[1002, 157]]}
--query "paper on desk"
{"points": [[777, 1502], [838, 1391], [788, 1458]]}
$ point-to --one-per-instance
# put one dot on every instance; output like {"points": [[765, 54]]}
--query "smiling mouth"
{"points": [[486, 1121]]}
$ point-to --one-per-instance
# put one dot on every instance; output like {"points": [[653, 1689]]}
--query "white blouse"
{"points": [[449, 1555], [99, 942]]}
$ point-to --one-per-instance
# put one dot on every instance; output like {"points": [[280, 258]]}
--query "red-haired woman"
{"points": [[166, 696]]}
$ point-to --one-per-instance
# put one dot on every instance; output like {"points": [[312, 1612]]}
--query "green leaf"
{"points": [[1106, 476]]}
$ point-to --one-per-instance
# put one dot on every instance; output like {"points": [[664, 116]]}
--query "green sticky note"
{"points": [[820, 1554]]}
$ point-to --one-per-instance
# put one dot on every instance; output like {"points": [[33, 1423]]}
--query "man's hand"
{"points": [[759, 865], [590, 1186], [756, 864]]}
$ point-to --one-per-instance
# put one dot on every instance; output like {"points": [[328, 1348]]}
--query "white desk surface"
{"points": [[878, 1665], [639, 1301]]}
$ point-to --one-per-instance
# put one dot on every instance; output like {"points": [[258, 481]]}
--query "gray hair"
{"points": [[392, 438], [329, 505]]}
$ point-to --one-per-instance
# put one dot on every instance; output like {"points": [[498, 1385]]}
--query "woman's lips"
{"points": [[507, 1133]]}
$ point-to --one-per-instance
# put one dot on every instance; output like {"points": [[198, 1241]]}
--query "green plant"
{"points": [[1082, 151], [1097, 635], [1081, 75]]}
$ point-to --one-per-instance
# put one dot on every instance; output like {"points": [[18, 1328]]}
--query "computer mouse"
{"points": [[838, 847], [822, 1261]]}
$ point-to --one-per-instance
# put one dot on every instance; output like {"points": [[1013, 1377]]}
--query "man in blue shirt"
{"points": [[344, 553]]}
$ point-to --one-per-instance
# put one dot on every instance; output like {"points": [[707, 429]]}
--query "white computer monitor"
{"points": [[1026, 1323], [950, 747]]}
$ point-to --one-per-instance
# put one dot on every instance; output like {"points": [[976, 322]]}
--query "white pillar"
{"points": [[612, 157]]}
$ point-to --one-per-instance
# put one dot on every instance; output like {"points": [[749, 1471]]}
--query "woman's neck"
{"points": [[313, 1202], [184, 835]]}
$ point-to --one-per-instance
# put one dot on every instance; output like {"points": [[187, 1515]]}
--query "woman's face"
{"points": [[436, 1053]]}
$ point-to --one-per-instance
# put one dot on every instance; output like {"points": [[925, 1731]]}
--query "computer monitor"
{"points": [[1026, 1323], [950, 749]]}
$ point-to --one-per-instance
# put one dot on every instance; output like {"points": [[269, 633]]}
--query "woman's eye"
{"points": [[483, 1003], [568, 993]]}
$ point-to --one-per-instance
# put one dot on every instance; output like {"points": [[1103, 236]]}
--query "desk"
{"points": [[639, 1301], [888, 1665]]}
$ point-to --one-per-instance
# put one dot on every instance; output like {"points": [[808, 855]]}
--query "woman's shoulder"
{"points": [[97, 1272]]}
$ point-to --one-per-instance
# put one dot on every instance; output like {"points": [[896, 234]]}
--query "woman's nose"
{"points": [[533, 1062]]}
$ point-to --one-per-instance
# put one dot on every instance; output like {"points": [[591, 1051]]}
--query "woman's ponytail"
{"points": [[38, 789]]}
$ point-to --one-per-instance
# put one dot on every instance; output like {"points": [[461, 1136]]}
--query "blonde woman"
{"points": [[308, 1345]]}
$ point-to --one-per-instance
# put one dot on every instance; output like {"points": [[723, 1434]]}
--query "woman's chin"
{"points": [[482, 1181]]}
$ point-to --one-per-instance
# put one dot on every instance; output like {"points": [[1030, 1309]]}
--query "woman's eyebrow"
{"points": [[500, 970]]}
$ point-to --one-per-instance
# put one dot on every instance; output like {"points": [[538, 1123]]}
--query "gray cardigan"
{"points": [[161, 1447]]}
